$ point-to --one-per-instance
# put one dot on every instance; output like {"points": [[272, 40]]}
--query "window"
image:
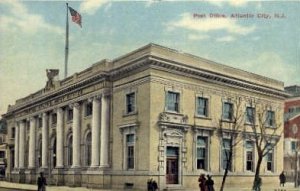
{"points": [[26, 154], [172, 101], [291, 110], [39, 157], [70, 114], [269, 158], [40, 122], [13, 132], [130, 151], [270, 118], [249, 156], [227, 111], [54, 118], [202, 106], [293, 146], [202, 153], [70, 150], [2, 154], [226, 153], [130, 102], [250, 115], [53, 152], [88, 109], [88, 149]]}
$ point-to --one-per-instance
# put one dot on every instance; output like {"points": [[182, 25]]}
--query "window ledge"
{"points": [[173, 112], [87, 117], [227, 120], [270, 127], [202, 117], [250, 124], [130, 114]]}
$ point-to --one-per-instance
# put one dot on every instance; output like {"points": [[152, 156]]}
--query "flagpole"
{"points": [[67, 42]]}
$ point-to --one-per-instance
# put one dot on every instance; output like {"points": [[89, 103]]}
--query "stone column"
{"points": [[60, 138], [45, 133], [22, 144], [31, 157], [96, 132], [76, 135], [104, 131], [17, 146]]}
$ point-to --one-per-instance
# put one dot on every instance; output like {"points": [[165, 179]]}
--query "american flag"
{"points": [[76, 17]]}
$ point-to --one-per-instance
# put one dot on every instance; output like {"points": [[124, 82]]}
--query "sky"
{"points": [[32, 37]]}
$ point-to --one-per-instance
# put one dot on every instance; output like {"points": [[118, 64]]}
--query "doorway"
{"points": [[172, 165]]}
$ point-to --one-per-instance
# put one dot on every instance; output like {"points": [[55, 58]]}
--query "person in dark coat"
{"points": [[41, 182], [210, 184], [202, 182], [282, 178]]}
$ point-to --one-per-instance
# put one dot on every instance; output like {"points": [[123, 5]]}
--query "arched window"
{"points": [[88, 149], [26, 153], [70, 150], [53, 154], [39, 157]]}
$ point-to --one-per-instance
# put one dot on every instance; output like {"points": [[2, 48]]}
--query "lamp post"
{"points": [[295, 130]]}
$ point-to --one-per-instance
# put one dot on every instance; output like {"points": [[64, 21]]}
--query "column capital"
{"points": [[95, 98], [106, 95], [74, 105], [57, 109], [44, 114], [31, 118]]}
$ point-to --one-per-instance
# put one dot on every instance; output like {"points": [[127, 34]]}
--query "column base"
{"points": [[75, 178], [22, 177], [104, 166], [31, 176], [58, 176]]}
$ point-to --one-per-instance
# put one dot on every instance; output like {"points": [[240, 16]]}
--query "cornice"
{"points": [[176, 68], [208, 90], [60, 95], [60, 92]]}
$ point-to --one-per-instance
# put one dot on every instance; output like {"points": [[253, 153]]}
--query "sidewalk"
{"points": [[3, 184]]}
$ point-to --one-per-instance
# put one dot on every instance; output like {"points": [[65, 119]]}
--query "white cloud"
{"points": [[149, 3], [20, 19], [233, 3], [198, 37], [91, 6], [225, 39], [209, 24], [271, 65], [237, 3]]}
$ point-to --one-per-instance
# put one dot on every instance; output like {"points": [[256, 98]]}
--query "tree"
{"points": [[265, 134], [230, 128]]}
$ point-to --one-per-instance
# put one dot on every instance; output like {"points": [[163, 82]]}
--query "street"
{"points": [[14, 189]]}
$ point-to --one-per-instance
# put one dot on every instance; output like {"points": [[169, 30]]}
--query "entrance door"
{"points": [[172, 165]]}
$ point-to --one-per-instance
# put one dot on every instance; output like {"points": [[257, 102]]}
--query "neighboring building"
{"points": [[152, 113], [292, 131], [3, 147]]}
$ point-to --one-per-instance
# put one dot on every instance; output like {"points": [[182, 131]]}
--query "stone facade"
{"points": [[147, 114]]}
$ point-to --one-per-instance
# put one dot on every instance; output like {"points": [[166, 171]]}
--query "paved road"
{"points": [[13, 189]]}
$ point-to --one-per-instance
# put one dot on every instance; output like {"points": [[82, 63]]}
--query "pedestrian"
{"points": [[41, 182], [282, 179], [210, 184], [154, 185], [202, 182]]}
